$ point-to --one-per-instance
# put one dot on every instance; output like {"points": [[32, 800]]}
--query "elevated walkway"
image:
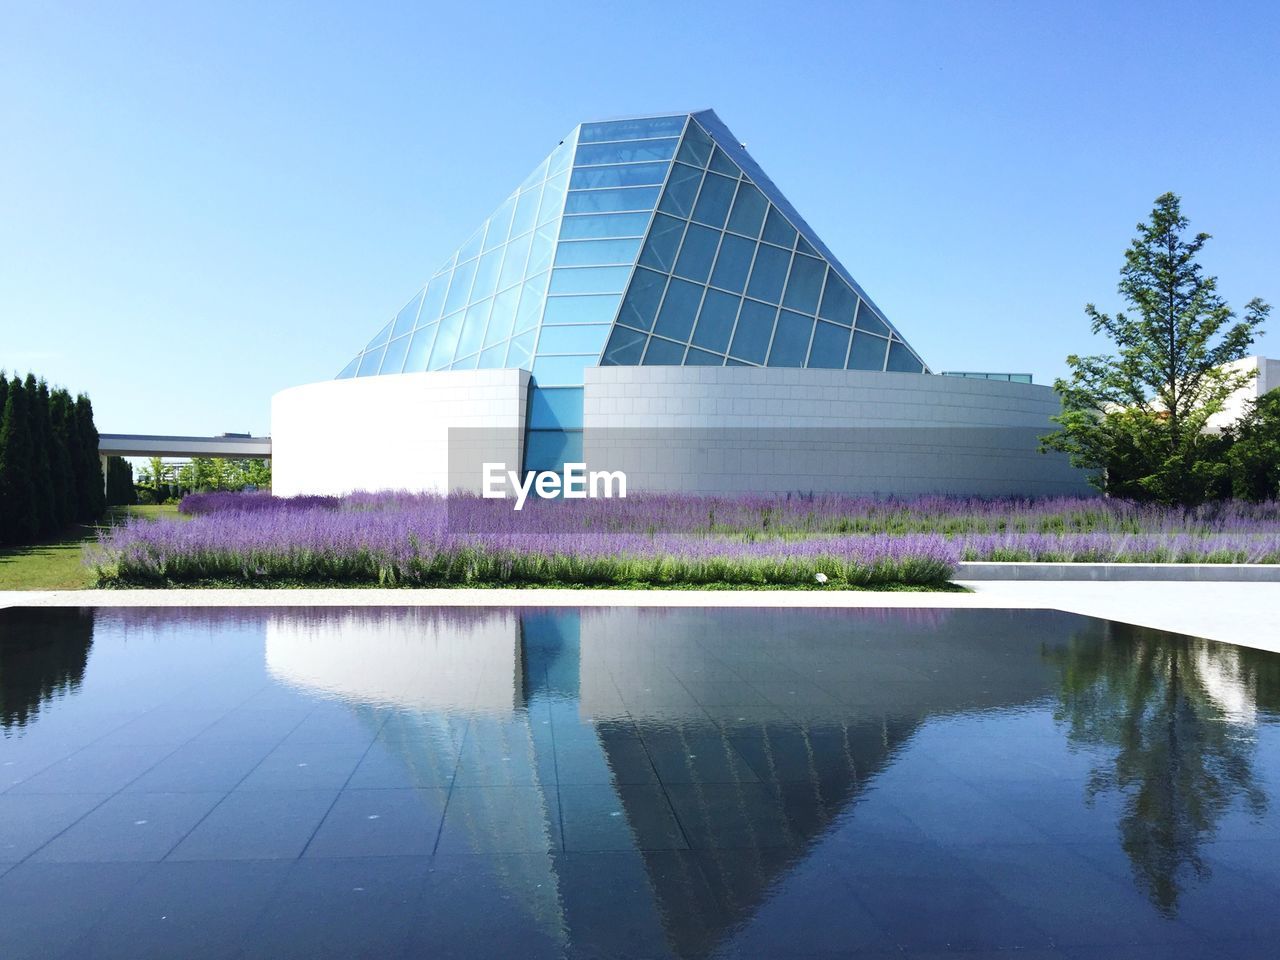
{"points": [[230, 445]]}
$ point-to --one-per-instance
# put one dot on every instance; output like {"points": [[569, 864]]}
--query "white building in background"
{"points": [[1267, 378], [647, 300]]}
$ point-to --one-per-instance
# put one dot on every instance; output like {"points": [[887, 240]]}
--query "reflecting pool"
{"points": [[617, 783]]}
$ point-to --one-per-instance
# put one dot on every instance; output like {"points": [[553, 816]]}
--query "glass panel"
{"points": [[420, 349], [715, 320], [734, 263], [805, 247], [663, 353], [700, 358], [675, 320], [901, 359], [731, 362], [755, 327], [625, 348], [381, 337], [590, 280], [838, 301], [531, 297], [466, 363], [370, 362], [622, 175], [404, 321], [573, 253], [471, 249], [433, 301], [696, 148], [553, 198], [575, 339], [349, 370], [502, 319], [487, 274], [830, 346], [682, 190], [721, 163], [447, 265], [608, 201], [625, 152], [664, 240], [867, 352], [769, 273], [499, 224], [632, 129], [536, 176], [561, 371], [472, 336], [805, 284], [446, 340], [520, 352], [492, 359], [513, 263], [777, 230], [748, 210], [588, 309], [543, 248], [867, 320], [459, 287], [552, 449], [561, 157], [643, 296], [526, 212], [393, 359], [555, 409], [697, 253], [604, 225], [791, 340], [714, 200]]}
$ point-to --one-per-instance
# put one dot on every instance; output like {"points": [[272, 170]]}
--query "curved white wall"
{"points": [[681, 429], [750, 429], [393, 432]]}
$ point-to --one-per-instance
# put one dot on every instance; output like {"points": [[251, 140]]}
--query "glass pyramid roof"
{"points": [[651, 241]]}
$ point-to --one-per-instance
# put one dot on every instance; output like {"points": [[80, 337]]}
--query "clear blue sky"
{"points": [[202, 204]]}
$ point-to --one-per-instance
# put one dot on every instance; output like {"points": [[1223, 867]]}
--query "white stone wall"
{"points": [[393, 432], [742, 429], [1267, 378]]}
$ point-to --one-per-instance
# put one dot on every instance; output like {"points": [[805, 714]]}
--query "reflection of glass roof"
{"points": [[648, 241]]}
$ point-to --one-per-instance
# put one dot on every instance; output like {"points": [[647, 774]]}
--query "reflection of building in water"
{"points": [[43, 654], [436, 681], [764, 728], [417, 658], [1228, 683]]}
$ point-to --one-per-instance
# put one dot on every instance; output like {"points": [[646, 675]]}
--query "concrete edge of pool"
{"points": [[1247, 614]]}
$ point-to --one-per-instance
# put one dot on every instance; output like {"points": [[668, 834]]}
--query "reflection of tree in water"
{"points": [[1179, 712], [43, 653]]}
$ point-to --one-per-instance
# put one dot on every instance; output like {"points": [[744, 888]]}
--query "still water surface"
{"points": [[632, 783]]}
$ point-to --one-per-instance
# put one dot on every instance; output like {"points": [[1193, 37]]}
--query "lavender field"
{"points": [[408, 539]]}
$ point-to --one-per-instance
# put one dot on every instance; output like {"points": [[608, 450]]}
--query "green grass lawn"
{"points": [[58, 564]]}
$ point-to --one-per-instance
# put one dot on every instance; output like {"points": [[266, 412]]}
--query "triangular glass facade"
{"points": [[610, 244], [648, 241]]}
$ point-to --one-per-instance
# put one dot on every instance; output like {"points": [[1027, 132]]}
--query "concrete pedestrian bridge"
{"points": [[229, 445]]}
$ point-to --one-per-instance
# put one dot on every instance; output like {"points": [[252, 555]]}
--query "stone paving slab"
{"points": [[1181, 572]]}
